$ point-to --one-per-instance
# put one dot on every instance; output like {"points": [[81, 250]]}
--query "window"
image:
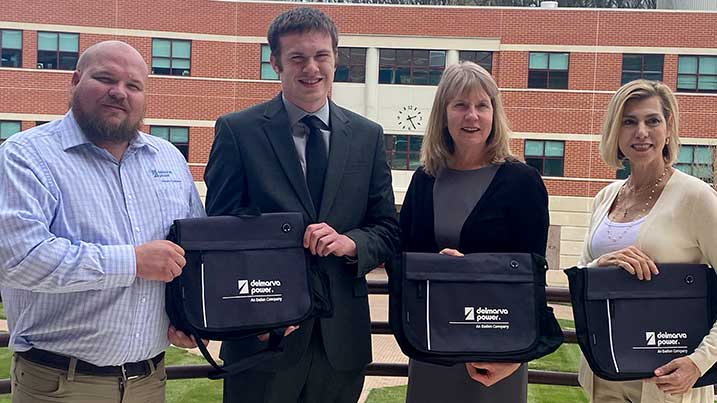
{"points": [[548, 70], [41, 122], [10, 48], [483, 59], [171, 57], [58, 51], [403, 151], [625, 171], [697, 161], [546, 156], [648, 67], [414, 67], [7, 129], [351, 66], [267, 72], [697, 74], [179, 136]]}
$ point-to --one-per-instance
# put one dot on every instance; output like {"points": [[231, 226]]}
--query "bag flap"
{"points": [[674, 281], [267, 231], [502, 267]]}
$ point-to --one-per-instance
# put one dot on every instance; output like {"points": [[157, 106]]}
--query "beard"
{"points": [[99, 131]]}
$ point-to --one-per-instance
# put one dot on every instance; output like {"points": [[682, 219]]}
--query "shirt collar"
{"points": [[296, 114], [73, 136]]}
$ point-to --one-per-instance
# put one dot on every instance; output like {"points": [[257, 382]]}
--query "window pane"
{"points": [[686, 82], [268, 73], [7, 129], [400, 143], [684, 168], [553, 167], [558, 61], [653, 76], [703, 155], [538, 61], [387, 57], [438, 58], [358, 56], [180, 64], [653, 62], [358, 74], [420, 77], [625, 172], [558, 79], [47, 59], [402, 76], [707, 83], [46, 41], [536, 163], [533, 147], [160, 48], [554, 148], [687, 64], [627, 77], [68, 61], [266, 53], [708, 65], [704, 172], [340, 76], [403, 57], [467, 56], [69, 42], [11, 40], [160, 131], [685, 155], [485, 60], [631, 62], [434, 77], [181, 49], [184, 149], [416, 143], [161, 62], [420, 58], [538, 79], [385, 76], [179, 134], [11, 58]]}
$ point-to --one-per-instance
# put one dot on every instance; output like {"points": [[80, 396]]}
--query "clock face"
{"points": [[409, 118]]}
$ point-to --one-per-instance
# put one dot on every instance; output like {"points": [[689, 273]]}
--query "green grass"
{"points": [[564, 359]]}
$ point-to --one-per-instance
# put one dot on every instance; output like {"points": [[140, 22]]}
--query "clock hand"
{"points": [[410, 119]]}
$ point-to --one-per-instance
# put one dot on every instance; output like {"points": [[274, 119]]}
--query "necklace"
{"points": [[650, 196], [616, 232]]}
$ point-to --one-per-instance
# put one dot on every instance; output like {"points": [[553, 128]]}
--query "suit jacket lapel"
{"points": [[338, 154], [278, 131]]}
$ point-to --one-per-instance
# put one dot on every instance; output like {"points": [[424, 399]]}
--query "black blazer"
{"points": [[512, 215], [253, 163]]}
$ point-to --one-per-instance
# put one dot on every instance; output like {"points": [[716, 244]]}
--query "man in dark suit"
{"points": [[332, 167]]}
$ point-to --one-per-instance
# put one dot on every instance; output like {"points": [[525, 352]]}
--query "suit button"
{"points": [[286, 227], [514, 264], [689, 279]]}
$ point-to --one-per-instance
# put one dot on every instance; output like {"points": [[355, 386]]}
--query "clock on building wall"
{"points": [[409, 118]]}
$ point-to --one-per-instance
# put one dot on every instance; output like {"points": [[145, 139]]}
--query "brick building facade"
{"points": [[557, 68]]}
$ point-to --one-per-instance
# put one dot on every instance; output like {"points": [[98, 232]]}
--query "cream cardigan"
{"points": [[680, 228]]}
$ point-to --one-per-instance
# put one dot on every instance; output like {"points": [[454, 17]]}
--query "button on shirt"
{"points": [[70, 216]]}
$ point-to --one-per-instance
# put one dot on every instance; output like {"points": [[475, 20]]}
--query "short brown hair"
{"points": [[300, 20]]}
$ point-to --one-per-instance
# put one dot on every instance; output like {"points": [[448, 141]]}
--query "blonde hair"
{"points": [[639, 90], [459, 79]]}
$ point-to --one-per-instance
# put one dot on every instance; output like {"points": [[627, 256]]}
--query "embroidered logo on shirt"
{"points": [[164, 175]]}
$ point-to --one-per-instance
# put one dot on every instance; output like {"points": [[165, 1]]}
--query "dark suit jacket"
{"points": [[253, 163], [512, 215]]}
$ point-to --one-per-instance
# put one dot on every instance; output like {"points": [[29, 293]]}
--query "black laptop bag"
{"points": [[245, 275], [627, 328], [481, 307]]}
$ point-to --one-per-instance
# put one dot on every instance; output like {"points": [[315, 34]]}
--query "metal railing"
{"points": [[555, 294]]}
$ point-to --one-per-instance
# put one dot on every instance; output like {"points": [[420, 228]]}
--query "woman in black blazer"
{"points": [[469, 196]]}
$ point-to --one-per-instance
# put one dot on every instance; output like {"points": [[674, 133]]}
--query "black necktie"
{"points": [[316, 159]]}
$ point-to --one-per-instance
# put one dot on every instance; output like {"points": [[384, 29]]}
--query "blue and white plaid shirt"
{"points": [[70, 216]]}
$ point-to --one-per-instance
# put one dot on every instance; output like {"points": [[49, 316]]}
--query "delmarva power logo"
{"points": [[485, 318], [258, 291], [665, 342]]}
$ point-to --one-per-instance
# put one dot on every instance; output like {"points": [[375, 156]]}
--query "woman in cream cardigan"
{"points": [[658, 214]]}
